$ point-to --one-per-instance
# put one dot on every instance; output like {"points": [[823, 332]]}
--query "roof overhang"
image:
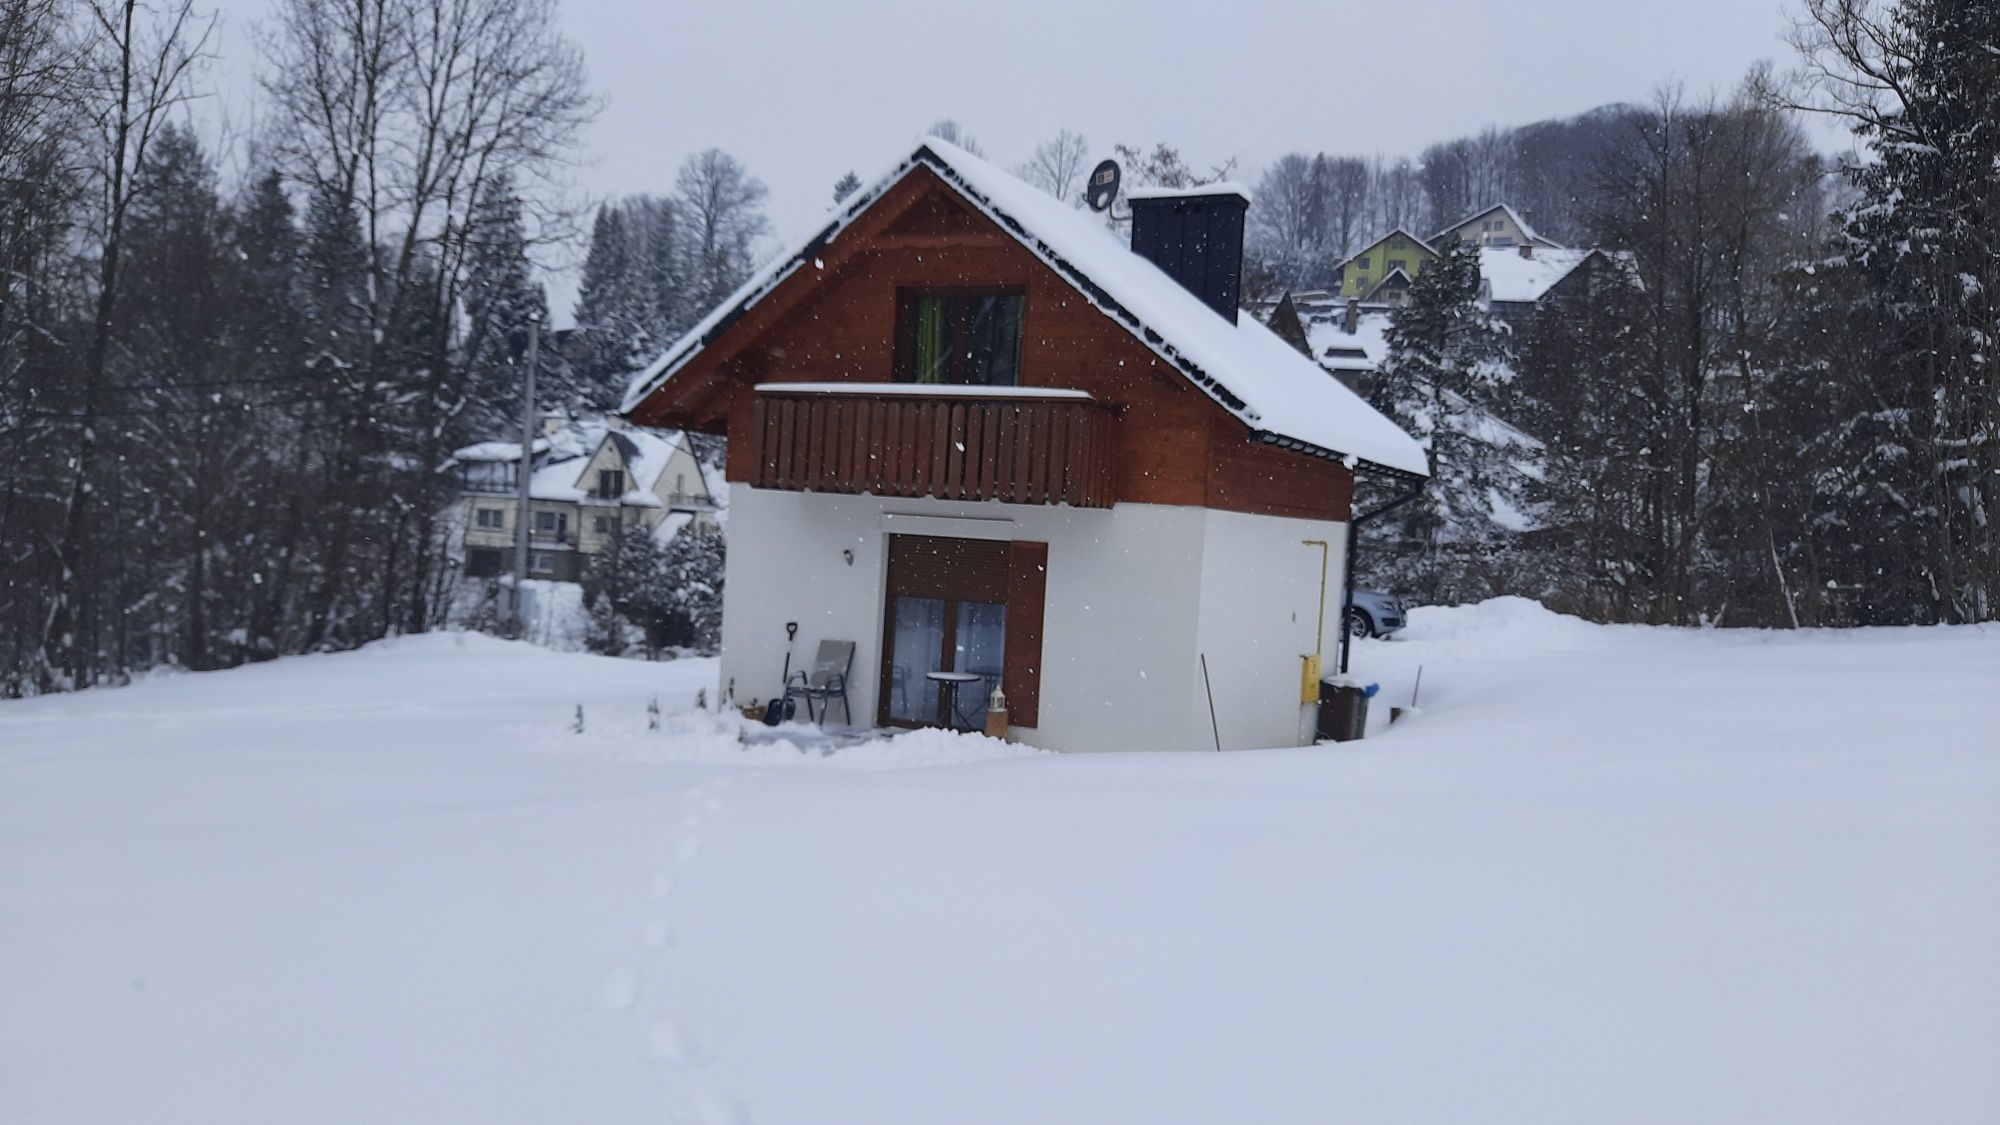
{"points": [[927, 159]]}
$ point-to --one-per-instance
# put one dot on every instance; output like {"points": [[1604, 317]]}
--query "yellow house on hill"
{"points": [[1397, 250]]}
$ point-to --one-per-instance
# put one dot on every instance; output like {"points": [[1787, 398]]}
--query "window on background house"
{"points": [[1362, 263], [959, 339], [1398, 264], [610, 484], [600, 525], [492, 519], [541, 562]]}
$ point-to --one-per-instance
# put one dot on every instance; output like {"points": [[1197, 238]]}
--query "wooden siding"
{"points": [[1010, 449], [835, 322], [1027, 597]]}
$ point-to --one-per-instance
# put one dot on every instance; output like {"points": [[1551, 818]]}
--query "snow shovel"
{"points": [[782, 709]]}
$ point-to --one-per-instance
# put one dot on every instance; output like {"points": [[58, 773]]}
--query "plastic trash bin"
{"points": [[1343, 709]]}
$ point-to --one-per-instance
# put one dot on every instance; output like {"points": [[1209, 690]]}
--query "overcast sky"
{"points": [[805, 90]]}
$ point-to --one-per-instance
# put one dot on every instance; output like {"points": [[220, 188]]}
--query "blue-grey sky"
{"points": [[804, 90]]}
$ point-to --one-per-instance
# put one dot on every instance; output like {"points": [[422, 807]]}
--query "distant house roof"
{"points": [[1510, 278], [1284, 399], [1404, 231], [1358, 353], [496, 451], [1527, 230], [645, 453], [1284, 320], [1394, 279]]}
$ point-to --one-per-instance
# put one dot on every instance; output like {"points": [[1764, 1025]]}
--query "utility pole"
{"points": [[526, 466]]}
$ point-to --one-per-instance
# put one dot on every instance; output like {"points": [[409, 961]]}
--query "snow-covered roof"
{"points": [[1336, 350], [1527, 231], [1509, 277], [1283, 398], [646, 454], [496, 451], [1384, 283]]}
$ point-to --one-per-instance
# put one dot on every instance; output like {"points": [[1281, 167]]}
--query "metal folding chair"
{"points": [[826, 682]]}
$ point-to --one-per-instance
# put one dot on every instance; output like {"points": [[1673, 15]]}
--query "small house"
{"points": [[1497, 226], [982, 439], [1398, 252], [590, 482]]}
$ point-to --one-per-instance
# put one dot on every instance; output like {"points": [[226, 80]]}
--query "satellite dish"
{"points": [[1102, 187]]}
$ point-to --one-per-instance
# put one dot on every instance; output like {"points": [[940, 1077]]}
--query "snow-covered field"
{"points": [[1607, 875]]}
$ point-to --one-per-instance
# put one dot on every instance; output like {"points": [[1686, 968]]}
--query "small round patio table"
{"points": [[948, 684]]}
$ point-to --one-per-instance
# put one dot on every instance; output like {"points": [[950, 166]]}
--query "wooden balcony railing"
{"points": [[951, 443]]}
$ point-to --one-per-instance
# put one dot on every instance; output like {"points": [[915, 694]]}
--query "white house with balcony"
{"points": [[984, 451]]}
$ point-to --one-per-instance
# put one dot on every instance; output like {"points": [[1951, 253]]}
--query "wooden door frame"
{"points": [[948, 659]]}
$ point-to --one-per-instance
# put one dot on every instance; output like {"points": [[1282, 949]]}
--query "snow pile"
{"points": [[699, 736], [1502, 623]]}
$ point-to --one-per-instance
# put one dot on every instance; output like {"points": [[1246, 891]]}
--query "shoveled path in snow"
{"points": [[1607, 874]]}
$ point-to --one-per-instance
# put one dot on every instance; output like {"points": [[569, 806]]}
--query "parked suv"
{"points": [[1376, 614]]}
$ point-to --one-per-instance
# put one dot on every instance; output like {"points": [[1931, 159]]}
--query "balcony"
{"points": [[1015, 445]]}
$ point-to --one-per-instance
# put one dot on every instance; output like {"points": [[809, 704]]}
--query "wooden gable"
{"points": [[833, 320]]}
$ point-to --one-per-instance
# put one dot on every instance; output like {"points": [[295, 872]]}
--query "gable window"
{"points": [[963, 339], [492, 519], [1398, 264], [610, 484], [1362, 263]]}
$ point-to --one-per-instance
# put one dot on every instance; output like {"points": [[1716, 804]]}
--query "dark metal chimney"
{"points": [[1196, 235]]}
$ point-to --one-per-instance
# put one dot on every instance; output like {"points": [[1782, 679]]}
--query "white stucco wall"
{"points": [[1122, 595], [1260, 602], [1134, 595]]}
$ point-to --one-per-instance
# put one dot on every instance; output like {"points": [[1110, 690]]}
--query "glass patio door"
{"points": [[945, 612], [943, 635], [916, 648]]}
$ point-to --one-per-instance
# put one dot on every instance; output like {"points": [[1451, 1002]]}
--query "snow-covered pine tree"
{"points": [[845, 186], [694, 564], [1447, 366], [1921, 86], [610, 311]]}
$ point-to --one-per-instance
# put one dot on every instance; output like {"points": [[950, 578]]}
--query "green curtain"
{"points": [[930, 340]]}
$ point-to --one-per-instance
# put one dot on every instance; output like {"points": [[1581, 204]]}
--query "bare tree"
{"points": [[1396, 194], [723, 204], [1288, 218], [1059, 166], [405, 112], [947, 129], [140, 61], [1347, 203], [1164, 167], [1445, 171]]}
